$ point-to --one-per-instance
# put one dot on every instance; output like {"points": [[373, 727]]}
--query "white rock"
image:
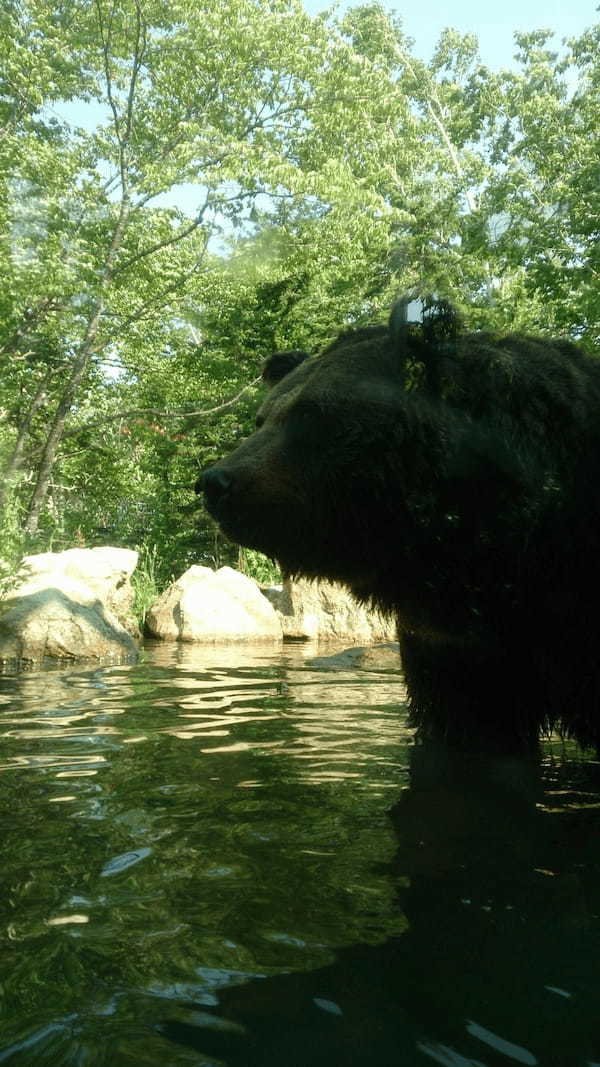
{"points": [[74, 605], [105, 570], [213, 606]]}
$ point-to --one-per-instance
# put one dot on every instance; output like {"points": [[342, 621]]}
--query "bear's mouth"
{"points": [[241, 517], [241, 529], [292, 563], [285, 534]]}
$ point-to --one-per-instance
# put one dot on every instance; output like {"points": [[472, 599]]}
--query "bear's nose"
{"points": [[215, 483]]}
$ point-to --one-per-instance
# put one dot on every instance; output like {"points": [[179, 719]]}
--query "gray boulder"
{"points": [[326, 612]]}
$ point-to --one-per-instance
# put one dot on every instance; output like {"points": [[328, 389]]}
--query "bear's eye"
{"points": [[258, 422]]}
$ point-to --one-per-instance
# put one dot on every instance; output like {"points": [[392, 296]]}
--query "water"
{"points": [[239, 857]]}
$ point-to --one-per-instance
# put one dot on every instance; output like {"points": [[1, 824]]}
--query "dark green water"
{"points": [[228, 857]]}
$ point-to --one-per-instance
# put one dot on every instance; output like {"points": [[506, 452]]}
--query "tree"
{"points": [[321, 170], [543, 196], [238, 102]]}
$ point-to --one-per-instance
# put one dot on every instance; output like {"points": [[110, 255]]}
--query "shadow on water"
{"points": [[222, 857], [497, 878]]}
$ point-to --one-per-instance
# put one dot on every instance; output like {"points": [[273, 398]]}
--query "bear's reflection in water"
{"points": [[496, 870]]}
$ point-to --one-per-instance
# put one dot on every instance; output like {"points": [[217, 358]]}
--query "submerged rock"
{"points": [[376, 657]]}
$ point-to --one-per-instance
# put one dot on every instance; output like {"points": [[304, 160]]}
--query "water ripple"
{"points": [[230, 702]]}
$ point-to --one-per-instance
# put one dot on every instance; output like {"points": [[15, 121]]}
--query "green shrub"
{"points": [[145, 583], [264, 570]]}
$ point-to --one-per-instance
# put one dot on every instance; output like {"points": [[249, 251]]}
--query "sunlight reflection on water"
{"points": [[229, 699]]}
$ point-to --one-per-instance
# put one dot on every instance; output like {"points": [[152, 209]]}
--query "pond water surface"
{"points": [[240, 857]]}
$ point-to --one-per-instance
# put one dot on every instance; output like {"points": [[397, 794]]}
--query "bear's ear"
{"points": [[425, 346], [433, 319], [442, 323], [399, 317], [280, 364]]}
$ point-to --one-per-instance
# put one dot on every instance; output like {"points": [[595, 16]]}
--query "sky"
{"points": [[493, 23]]}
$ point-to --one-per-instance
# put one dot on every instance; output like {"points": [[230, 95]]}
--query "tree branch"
{"points": [[436, 116], [167, 243], [159, 301], [157, 413]]}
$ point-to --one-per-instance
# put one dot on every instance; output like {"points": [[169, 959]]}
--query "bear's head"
{"points": [[316, 485], [399, 462]]}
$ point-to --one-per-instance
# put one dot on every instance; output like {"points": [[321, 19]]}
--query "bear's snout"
{"points": [[216, 484]]}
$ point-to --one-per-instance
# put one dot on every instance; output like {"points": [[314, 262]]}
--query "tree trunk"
{"points": [[79, 368], [15, 462], [58, 424]]}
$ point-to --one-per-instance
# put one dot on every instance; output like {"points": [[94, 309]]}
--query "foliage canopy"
{"points": [[184, 189]]}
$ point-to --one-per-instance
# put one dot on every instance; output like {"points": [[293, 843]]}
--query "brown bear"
{"points": [[453, 479]]}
